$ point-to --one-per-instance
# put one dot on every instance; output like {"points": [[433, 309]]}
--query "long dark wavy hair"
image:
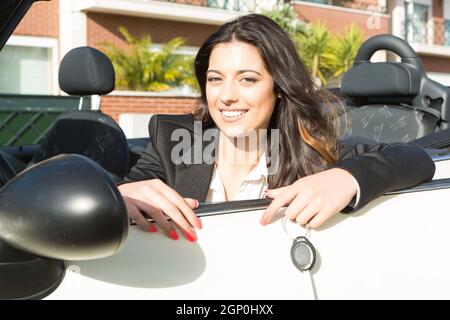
{"points": [[303, 114]]}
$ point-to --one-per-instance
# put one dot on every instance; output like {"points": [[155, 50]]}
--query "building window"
{"points": [[416, 23], [28, 66], [25, 70], [447, 32], [244, 5], [233, 5], [320, 1]]}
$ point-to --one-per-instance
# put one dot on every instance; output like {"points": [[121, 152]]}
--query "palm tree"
{"points": [[326, 55], [313, 47], [288, 19], [344, 50], [143, 69]]}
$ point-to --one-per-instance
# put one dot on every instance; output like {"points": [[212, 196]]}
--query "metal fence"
{"points": [[232, 5], [25, 119]]}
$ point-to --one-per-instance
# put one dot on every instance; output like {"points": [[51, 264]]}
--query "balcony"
{"points": [[231, 5], [363, 5], [434, 32], [195, 11], [429, 37]]}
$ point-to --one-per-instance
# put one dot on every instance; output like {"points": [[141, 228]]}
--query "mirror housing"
{"points": [[63, 208], [66, 207]]}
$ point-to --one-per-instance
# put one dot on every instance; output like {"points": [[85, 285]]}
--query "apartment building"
{"points": [[54, 27], [369, 15], [425, 24]]}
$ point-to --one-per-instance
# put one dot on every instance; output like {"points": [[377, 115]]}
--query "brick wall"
{"points": [[357, 4], [438, 8], [41, 20], [193, 2], [114, 105], [438, 22], [435, 64], [337, 19], [103, 28]]}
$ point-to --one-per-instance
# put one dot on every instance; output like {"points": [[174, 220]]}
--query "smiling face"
{"points": [[239, 89]]}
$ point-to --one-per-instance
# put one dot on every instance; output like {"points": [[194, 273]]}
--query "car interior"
{"points": [[392, 101], [89, 133]]}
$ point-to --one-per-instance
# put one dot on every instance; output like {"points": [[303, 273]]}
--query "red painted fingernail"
{"points": [[152, 228], [190, 236], [173, 234], [199, 224]]}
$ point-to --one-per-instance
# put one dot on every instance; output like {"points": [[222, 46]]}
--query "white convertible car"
{"points": [[64, 232]]}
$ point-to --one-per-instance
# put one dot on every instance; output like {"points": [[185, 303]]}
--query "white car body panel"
{"points": [[396, 247]]}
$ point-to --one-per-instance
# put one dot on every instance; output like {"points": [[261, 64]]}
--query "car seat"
{"points": [[87, 71], [391, 101]]}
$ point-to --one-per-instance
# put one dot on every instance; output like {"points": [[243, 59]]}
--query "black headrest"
{"points": [[381, 79], [86, 71]]}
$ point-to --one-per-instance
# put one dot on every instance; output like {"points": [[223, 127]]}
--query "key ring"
{"points": [[307, 233]]}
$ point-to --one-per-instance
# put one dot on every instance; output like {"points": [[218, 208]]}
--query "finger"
{"points": [[192, 237], [181, 204], [297, 205], [193, 203], [170, 209], [158, 216], [319, 219], [306, 215], [277, 204], [273, 193], [136, 216], [152, 211]]}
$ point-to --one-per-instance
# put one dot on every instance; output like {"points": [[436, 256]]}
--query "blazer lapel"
{"points": [[193, 175], [193, 181]]}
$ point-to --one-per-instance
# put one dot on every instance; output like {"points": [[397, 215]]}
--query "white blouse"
{"points": [[251, 188]]}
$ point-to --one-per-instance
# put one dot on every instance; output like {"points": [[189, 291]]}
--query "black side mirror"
{"points": [[27, 276], [64, 208]]}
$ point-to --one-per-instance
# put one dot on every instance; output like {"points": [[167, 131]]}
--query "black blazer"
{"points": [[378, 168]]}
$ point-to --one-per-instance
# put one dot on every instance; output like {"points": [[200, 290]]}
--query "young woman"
{"points": [[252, 79]]}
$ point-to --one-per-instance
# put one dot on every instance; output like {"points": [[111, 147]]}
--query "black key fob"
{"points": [[303, 254]]}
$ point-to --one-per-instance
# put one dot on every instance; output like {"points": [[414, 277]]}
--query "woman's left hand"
{"points": [[313, 199]]}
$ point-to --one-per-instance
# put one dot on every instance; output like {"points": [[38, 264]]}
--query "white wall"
{"points": [[72, 27], [134, 125], [425, 2], [52, 65], [443, 78], [398, 18], [446, 9]]}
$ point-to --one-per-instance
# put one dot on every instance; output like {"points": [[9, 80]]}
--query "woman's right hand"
{"points": [[155, 199]]}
